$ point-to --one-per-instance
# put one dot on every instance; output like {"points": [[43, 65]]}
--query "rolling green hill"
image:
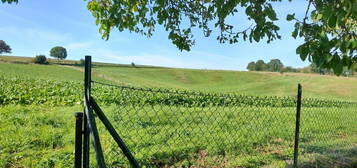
{"points": [[249, 83], [37, 104]]}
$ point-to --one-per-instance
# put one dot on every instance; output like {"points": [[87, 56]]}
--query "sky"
{"points": [[33, 27]]}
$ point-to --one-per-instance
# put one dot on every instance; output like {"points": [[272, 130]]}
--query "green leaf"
{"points": [[353, 43], [295, 33], [318, 17], [303, 51], [332, 21], [290, 17], [256, 35]]}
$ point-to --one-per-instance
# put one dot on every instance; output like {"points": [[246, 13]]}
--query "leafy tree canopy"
{"points": [[275, 65], [4, 48], [58, 52], [328, 28], [251, 66], [260, 65]]}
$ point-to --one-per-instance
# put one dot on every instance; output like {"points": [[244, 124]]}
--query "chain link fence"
{"points": [[328, 136], [168, 128]]}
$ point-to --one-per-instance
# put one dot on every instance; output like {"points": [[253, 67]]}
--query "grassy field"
{"points": [[37, 103], [249, 83]]}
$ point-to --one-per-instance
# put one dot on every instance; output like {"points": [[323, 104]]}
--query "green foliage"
{"points": [[4, 48], [144, 16], [275, 65], [54, 93], [58, 52], [330, 39], [260, 65], [31, 91], [251, 66], [40, 59], [133, 64]]}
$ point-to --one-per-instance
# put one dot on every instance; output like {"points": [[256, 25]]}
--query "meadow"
{"points": [[198, 118]]}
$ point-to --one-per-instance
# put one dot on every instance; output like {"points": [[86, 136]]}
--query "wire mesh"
{"points": [[170, 128], [329, 136]]}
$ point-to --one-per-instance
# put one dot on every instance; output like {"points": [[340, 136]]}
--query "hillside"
{"points": [[250, 83]]}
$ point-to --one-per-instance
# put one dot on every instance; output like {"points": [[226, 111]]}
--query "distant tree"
{"points": [[133, 64], [251, 66], [40, 59], [58, 52], [275, 65], [290, 69], [4, 48], [260, 65]]}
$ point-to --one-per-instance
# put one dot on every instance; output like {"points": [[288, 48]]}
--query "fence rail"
{"points": [[165, 128]]}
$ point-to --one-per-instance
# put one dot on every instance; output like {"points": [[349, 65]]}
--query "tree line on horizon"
{"points": [[276, 65]]}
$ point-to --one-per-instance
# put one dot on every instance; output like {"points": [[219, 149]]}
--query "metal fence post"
{"points": [[114, 134], [86, 146], [297, 127], [78, 140], [90, 123]]}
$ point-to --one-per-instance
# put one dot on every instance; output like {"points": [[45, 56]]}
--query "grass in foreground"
{"points": [[190, 137]]}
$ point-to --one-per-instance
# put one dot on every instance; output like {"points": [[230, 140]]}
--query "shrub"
{"points": [[133, 64], [40, 59]]}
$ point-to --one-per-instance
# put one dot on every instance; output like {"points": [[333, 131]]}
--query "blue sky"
{"points": [[33, 27]]}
